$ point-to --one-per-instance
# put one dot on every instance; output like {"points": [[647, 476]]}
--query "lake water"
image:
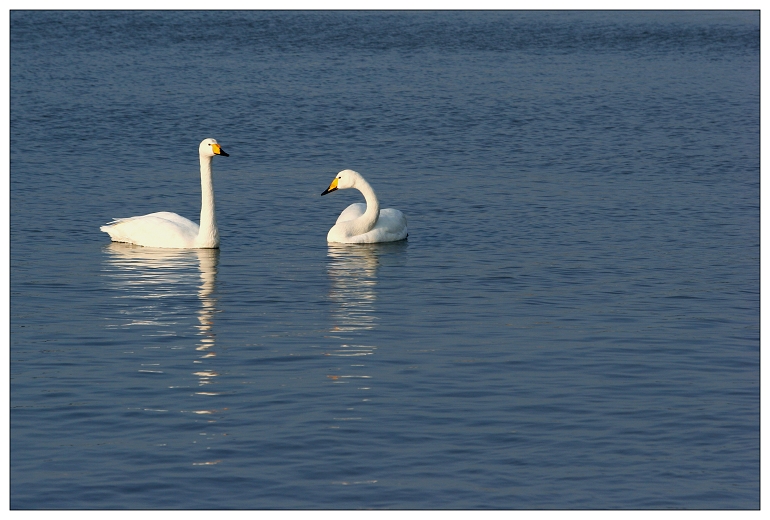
{"points": [[573, 322]]}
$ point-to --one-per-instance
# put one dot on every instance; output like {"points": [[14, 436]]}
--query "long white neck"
{"points": [[208, 236], [366, 222]]}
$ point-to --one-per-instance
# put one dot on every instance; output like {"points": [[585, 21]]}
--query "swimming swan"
{"points": [[364, 223], [169, 230]]}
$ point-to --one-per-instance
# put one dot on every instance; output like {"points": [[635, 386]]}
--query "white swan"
{"points": [[169, 230], [364, 223]]}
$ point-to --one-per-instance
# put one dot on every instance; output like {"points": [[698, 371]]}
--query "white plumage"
{"points": [[363, 223], [169, 230]]}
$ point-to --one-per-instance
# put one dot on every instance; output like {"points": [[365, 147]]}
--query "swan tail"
{"points": [[111, 223]]}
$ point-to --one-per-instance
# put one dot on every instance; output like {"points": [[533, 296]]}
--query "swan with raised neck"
{"points": [[169, 230], [364, 223]]}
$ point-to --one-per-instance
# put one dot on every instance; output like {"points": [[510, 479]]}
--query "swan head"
{"points": [[344, 179], [210, 148]]}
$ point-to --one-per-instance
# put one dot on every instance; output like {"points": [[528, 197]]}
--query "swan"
{"points": [[364, 223], [169, 230]]}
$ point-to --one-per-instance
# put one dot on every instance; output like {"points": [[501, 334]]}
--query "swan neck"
{"points": [[208, 236], [372, 213]]}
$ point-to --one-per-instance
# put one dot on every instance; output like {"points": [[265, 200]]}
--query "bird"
{"points": [[169, 230], [363, 223]]}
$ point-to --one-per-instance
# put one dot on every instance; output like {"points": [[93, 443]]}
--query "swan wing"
{"points": [[352, 212], [390, 227], [161, 229]]}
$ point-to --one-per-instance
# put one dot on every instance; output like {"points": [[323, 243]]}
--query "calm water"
{"points": [[572, 323]]}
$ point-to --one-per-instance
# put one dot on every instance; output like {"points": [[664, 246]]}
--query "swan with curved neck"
{"points": [[364, 223], [169, 230]]}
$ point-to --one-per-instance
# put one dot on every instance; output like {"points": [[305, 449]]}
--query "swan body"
{"points": [[169, 230], [363, 223]]}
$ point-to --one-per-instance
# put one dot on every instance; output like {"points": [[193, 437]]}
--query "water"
{"points": [[572, 323]]}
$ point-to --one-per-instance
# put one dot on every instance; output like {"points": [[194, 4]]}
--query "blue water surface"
{"points": [[573, 322]]}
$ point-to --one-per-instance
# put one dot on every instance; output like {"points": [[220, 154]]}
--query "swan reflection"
{"points": [[352, 270], [353, 273], [160, 288], [208, 259]]}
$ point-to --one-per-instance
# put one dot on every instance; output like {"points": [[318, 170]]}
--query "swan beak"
{"points": [[219, 151], [332, 187]]}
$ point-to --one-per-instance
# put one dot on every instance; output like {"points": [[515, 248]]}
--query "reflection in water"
{"points": [[352, 270], [162, 288], [353, 273], [208, 259]]}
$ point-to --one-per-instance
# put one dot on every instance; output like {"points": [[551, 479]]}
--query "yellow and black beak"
{"points": [[332, 187], [218, 151]]}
